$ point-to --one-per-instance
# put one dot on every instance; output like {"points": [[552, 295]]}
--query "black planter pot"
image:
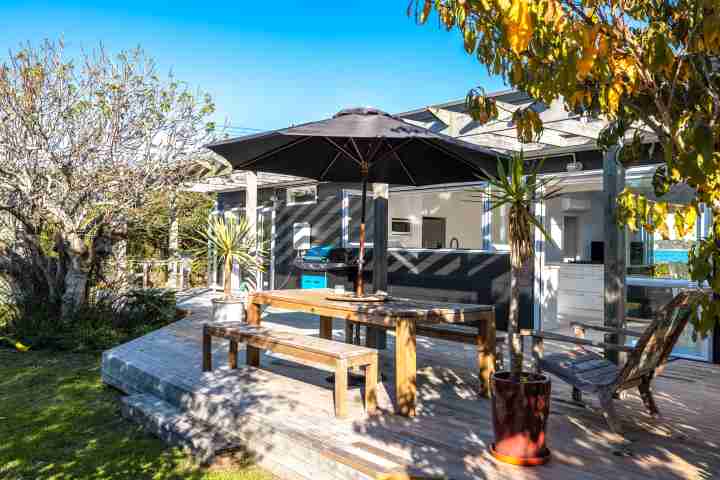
{"points": [[521, 407]]}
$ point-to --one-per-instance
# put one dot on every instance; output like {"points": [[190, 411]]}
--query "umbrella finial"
{"points": [[360, 111]]}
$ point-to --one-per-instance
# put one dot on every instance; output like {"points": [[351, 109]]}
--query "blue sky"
{"points": [[270, 63]]}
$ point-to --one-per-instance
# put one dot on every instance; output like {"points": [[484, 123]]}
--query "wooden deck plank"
{"points": [[452, 429]]}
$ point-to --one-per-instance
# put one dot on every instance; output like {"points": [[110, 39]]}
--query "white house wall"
{"points": [[590, 223]]}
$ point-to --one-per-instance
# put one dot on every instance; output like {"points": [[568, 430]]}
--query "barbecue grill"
{"points": [[327, 266]]}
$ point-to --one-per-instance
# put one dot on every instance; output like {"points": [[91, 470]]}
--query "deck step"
{"points": [[177, 428], [178, 413]]}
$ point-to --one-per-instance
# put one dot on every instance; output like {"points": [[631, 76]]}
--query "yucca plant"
{"points": [[519, 190], [231, 241]]}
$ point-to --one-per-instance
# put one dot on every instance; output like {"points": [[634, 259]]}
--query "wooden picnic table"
{"points": [[399, 314]]}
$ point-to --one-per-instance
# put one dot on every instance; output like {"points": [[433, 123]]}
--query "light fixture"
{"points": [[574, 166]]}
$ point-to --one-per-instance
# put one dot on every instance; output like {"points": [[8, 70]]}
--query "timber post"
{"points": [[615, 289], [251, 204], [377, 337]]}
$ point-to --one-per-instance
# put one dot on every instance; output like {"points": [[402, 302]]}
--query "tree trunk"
{"points": [[513, 324], [75, 290], [119, 252], [76, 277], [227, 278]]}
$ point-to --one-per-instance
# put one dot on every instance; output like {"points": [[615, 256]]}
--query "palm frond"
{"points": [[231, 240], [519, 187]]}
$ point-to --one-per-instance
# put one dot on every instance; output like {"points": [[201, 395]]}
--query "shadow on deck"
{"points": [[283, 413]]}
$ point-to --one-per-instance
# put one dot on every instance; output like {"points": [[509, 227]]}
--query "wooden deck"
{"points": [[284, 413]]}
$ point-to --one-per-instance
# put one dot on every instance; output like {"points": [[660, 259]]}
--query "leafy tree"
{"points": [[149, 230], [83, 142], [650, 67]]}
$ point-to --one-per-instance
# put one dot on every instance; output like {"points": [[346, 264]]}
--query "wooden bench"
{"points": [[340, 356], [450, 332]]}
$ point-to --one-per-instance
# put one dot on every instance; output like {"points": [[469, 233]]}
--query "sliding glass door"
{"points": [[570, 271], [658, 267]]}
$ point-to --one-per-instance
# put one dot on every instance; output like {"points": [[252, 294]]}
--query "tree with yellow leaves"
{"points": [[651, 67]]}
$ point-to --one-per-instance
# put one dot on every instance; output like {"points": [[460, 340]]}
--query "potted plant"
{"points": [[229, 241], [521, 400]]}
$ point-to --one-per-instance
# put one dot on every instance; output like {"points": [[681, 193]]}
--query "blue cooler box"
{"points": [[313, 280]]}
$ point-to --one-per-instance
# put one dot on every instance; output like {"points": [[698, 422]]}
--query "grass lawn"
{"points": [[58, 421]]}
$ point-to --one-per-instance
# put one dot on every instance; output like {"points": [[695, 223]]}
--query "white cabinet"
{"points": [[580, 291]]}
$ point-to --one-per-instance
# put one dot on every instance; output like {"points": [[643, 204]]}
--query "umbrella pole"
{"points": [[360, 286]]}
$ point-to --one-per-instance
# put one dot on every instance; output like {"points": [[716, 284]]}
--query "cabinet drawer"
{"points": [[575, 299], [593, 273]]}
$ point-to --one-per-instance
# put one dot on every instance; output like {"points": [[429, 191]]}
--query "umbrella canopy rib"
{"points": [[373, 150], [357, 150], [395, 148], [343, 150], [405, 168], [329, 166]]}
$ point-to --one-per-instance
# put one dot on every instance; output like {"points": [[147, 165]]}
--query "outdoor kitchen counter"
{"points": [[398, 314]]}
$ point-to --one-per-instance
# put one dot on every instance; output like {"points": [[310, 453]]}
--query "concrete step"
{"points": [[178, 428]]}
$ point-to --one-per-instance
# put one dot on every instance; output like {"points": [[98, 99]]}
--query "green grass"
{"points": [[58, 421]]}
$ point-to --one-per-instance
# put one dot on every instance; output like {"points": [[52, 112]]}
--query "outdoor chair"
{"points": [[589, 372]]}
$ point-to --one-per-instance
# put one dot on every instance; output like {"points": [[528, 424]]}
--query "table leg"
{"points": [[405, 367], [326, 327], [233, 354], [376, 338], [206, 350], [349, 331], [254, 314], [252, 356], [486, 349]]}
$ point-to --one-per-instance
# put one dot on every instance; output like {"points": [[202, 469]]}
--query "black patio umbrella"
{"points": [[360, 142]]}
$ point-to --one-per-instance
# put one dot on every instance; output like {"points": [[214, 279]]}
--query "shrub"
{"points": [[145, 307], [107, 320], [33, 318]]}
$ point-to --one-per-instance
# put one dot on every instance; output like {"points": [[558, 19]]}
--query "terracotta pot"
{"points": [[521, 407]]}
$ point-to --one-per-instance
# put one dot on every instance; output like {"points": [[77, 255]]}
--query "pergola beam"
{"points": [[548, 138], [493, 140]]}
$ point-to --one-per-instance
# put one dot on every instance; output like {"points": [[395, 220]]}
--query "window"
{"points": [[437, 218], [658, 269], [499, 227], [400, 226], [302, 195], [301, 236], [663, 256]]}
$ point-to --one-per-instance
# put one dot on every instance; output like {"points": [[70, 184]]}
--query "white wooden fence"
{"points": [[178, 271]]}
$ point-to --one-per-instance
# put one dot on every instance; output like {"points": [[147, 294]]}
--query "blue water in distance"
{"points": [[665, 256]]}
